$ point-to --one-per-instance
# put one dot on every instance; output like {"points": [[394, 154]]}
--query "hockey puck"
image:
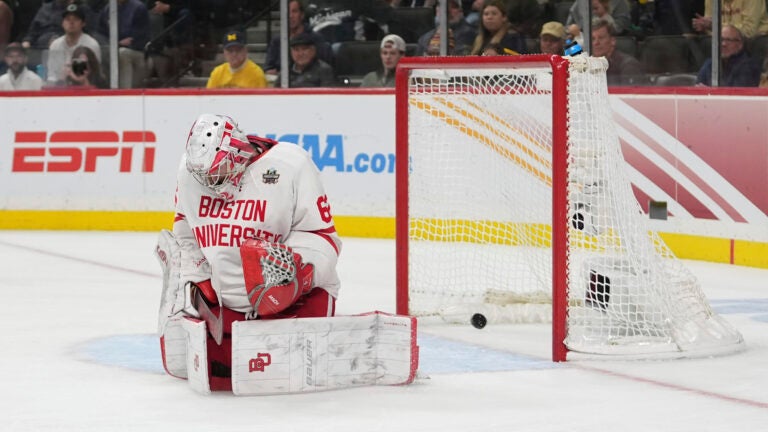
{"points": [[479, 321]]}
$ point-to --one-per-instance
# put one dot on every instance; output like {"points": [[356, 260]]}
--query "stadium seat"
{"points": [[356, 58], [627, 45], [532, 45], [667, 54], [410, 23], [701, 50], [757, 47], [675, 80]]}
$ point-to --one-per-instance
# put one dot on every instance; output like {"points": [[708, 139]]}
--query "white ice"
{"points": [[78, 316]]}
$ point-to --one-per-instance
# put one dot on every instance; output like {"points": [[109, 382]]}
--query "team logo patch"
{"points": [[270, 177]]}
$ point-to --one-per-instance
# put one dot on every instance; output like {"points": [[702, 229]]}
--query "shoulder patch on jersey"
{"points": [[270, 176]]}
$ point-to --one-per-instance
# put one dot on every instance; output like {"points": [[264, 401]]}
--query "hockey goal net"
{"points": [[513, 200]]}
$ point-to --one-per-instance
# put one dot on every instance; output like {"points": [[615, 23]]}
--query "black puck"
{"points": [[479, 321]]}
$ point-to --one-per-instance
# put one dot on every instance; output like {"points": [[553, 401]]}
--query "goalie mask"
{"points": [[218, 152]]}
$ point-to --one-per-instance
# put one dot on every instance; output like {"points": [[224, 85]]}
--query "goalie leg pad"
{"points": [[173, 347], [197, 355], [316, 354]]}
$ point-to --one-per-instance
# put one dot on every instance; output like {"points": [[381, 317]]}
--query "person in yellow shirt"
{"points": [[749, 16], [239, 71]]}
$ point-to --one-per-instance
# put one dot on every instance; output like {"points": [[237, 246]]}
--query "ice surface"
{"points": [[79, 354]]}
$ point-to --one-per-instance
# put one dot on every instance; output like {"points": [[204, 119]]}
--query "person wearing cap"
{"points": [[132, 37], [239, 71], [391, 51], [306, 69], [60, 53], [18, 77], [46, 25], [552, 38], [296, 26], [461, 34]]}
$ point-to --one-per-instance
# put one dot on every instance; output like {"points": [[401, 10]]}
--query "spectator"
{"points": [[336, 20], [84, 70], [749, 16], [623, 69], [461, 34], [46, 25], [296, 26], [73, 22], [495, 28], [6, 23], [18, 77], [552, 38], [175, 49], [615, 12], [307, 70], [392, 50], [524, 16], [132, 36], [239, 71], [738, 69]]}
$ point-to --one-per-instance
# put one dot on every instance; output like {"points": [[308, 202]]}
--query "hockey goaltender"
{"points": [[250, 281]]}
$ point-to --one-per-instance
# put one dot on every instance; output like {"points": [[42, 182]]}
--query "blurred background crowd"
{"points": [[237, 43]]}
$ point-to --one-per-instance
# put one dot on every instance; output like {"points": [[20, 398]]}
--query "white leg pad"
{"points": [[197, 355], [316, 354], [174, 347]]}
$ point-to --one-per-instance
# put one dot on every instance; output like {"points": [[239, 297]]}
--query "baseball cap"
{"points": [[74, 9], [14, 46], [233, 38], [553, 28], [395, 40], [304, 38]]}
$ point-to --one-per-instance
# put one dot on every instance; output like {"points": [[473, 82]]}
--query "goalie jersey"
{"points": [[280, 198]]}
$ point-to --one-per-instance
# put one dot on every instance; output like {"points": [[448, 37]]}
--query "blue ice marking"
{"points": [[438, 355], [140, 352], [757, 308]]}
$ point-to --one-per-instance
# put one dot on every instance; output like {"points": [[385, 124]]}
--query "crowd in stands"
{"points": [[65, 43]]}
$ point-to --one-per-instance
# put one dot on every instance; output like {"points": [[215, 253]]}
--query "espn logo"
{"points": [[83, 151]]}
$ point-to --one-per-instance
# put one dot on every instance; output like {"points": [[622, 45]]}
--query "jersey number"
{"points": [[324, 208]]}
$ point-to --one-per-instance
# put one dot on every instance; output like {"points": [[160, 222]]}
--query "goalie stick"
{"points": [[214, 322]]}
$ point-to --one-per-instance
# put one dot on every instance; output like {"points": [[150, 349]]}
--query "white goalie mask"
{"points": [[217, 152]]}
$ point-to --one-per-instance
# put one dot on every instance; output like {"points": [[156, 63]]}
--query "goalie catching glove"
{"points": [[275, 276]]}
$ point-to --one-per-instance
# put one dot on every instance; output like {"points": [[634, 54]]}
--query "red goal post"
{"points": [[511, 200]]}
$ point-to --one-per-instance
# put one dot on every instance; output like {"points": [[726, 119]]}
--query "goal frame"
{"points": [[559, 94]]}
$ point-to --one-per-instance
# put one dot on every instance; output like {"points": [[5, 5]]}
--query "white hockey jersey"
{"points": [[280, 198]]}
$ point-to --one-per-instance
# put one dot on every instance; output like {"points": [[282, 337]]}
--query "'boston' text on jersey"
{"points": [[247, 210]]}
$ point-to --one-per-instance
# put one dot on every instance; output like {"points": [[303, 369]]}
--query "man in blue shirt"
{"points": [[132, 36], [737, 69]]}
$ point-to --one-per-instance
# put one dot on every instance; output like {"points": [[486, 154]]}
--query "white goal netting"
{"points": [[480, 214]]}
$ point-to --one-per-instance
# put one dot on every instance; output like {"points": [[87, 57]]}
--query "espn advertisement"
{"points": [[704, 155]]}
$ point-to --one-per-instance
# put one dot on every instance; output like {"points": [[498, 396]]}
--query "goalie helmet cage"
{"points": [[512, 199]]}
